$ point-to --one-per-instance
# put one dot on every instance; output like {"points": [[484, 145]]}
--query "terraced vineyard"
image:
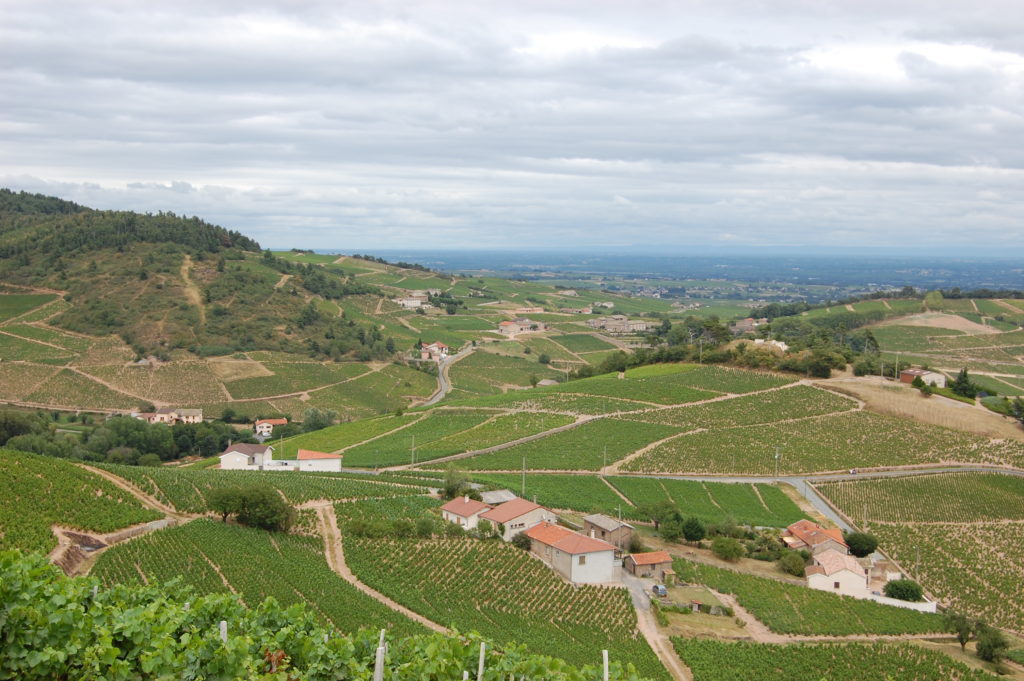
{"points": [[583, 493], [214, 557], [496, 430], [960, 535], [584, 448], [543, 399], [759, 505], [939, 498], [506, 595], [16, 304], [39, 492], [798, 402], [718, 661], [487, 373], [343, 435], [291, 377], [397, 448], [829, 443], [792, 609], [407, 508], [186, 488]]}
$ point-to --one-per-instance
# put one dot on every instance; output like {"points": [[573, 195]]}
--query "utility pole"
{"points": [[776, 465]]}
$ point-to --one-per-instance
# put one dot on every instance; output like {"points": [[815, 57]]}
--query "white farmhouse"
{"points": [[246, 457], [265, 427], [518, 515], [580, 559], [839, 573], [464, 512]]}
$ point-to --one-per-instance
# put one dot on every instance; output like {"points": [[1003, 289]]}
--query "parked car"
{"points": [[659, 590]]}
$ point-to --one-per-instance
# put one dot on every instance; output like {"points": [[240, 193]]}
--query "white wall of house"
{"points": [[234, 461], [320, 465], [583, 568], [923, 606], [528, 520], [843, 582], [466, 523]]}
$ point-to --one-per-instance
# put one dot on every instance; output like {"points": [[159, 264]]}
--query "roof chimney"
{"points": [[465, 498], [591, 533]]}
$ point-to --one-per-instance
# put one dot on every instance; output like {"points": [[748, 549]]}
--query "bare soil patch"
{"points": [[941, 320], [898, 399], [236, 369]]}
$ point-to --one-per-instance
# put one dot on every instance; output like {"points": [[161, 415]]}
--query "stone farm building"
{"points": [[609, 529], [520, 325], [619, 323], [654, 564], [804, 534], [929, 377], [839, 573], [170, 416], [248, 457], [578, 558], [434, 351]]}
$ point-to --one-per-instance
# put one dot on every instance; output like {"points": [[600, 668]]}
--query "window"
{"points": [[835, 585], [583, 560]]}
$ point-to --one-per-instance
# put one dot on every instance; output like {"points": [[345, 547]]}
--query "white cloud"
{"points": [[378, 124]]}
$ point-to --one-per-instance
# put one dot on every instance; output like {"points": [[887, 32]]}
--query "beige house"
{"points": [[929, 377], [518, 515], [839, 573], [609, 529], [243, 457], [619, 323], [464, 512], [804, 534], [520, 325], [434, 351], [580, 559], [171, 415]]}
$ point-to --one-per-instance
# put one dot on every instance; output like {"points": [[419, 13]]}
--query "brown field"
{"points": [[898, 399], [940, 320], [235, 369]]}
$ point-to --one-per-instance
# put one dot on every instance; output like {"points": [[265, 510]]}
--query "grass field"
{"points": [[74, 344], [16, 304], [582, 342], [416, 440], [40, 491], [585, 448], [913, 338], [792, 609], [186, 489], [720, 661], [712, 502], [506, 595], [829, 443], [333, 438], [214, 557], [487, 373], [960, 534]]}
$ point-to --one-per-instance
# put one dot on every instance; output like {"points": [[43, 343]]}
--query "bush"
{"points": [[791, 563], [727, 548], [693, 529], [522, 541], [260, 507], [861, 543], [904, 590], [991, 643]]}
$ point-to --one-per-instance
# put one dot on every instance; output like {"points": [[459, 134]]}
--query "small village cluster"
{"points": [[169, 415], [592, 556]]}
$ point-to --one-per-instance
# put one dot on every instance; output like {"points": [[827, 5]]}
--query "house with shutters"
{"points": [[805, 534], [578, 558], [265, 427], [518, 515], [464, 512]]}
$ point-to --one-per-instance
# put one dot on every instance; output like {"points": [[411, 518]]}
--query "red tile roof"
{"points": [[463, 507], [273, 422], [813, 534], [651, 558], [510, 510], [309, 454], [566, 540], [831, 562]]}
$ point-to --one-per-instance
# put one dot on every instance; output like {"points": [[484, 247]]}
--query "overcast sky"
{"points": [[592, 125]]}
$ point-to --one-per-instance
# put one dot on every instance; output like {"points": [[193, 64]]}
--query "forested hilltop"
{"points": [[164, 282]]}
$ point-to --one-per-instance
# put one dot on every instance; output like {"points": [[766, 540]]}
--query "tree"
{"points": [[148, 460], [861, 543], [659, 511], [992, 644], [727, 548], [904, 590], [264, 508], [671, 530], [958, 624], [534, 380], [225, 501], [425, 527], [544, 358], [522, 541], [918, 382], [317, 419], [962, 385], [457, 484], [1017, 409], [693, 529], [792, 563]]}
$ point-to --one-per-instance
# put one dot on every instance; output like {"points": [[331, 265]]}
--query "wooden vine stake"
{"points": [[480, 666], [604, 659], [224, 631]]}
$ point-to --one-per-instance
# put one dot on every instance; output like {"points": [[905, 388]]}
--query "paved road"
{"points": [[444, 385]]}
